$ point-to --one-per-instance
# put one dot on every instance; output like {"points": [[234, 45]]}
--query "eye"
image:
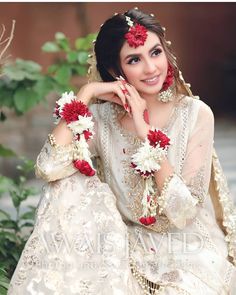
{"points": [[157, 52], [133, 60]]}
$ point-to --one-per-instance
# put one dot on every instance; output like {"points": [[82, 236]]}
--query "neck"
{"points": [[153, 102]]}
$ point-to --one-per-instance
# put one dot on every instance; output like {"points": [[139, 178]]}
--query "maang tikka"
{"points": [[137, 33]]}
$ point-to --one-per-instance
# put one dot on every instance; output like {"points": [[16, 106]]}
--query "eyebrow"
{"points": [[138, 54]]}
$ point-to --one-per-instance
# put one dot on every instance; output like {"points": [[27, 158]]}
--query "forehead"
{"points": [[152, 40]]}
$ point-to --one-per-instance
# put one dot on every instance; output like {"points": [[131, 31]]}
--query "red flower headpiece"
{"points": [[136, 35]]}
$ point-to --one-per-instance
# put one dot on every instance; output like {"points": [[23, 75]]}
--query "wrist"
{"points": [[85, 94], [144, 132]]}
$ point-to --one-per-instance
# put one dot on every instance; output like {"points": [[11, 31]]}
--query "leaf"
{"points": [[85, 43], [3, 251], [22, 69], [6, 152], [16, 255], [81, 44], [64, 44], [15, 199], [28, 65], [28, 215], [59, 36], [81, 70], [63, 75], [8, 224], [90, 38], [6, 184], [27, 224], [27, 165], [25, 99], [53, 68], [6, 95], [43, 87], [3, 290], [4, 215], [83, 57], [72, 56], [13, 73], [6, 235], [50, 47]]}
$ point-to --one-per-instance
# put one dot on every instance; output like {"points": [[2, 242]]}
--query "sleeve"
{"points": [[182, 194], [55, 161]]}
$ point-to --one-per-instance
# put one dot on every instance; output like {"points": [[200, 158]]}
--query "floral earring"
{"points": [[166, 93]]}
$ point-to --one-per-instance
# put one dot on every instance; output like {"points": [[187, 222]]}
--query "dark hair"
{"points": [[111, 38]]}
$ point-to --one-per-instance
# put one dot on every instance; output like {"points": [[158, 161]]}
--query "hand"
{"points": [[109, 91], [138, 106]]}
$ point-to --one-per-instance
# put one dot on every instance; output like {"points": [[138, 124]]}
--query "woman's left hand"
{"points": [[138, 106]]}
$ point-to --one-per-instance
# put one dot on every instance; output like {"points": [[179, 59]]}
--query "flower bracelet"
{"points": [[79, 121], [146, 161]]}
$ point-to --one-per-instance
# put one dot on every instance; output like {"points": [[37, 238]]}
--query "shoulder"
{"points": [[198, 107]]}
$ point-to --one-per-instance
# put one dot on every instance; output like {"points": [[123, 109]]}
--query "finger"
{"points": [[120, 92], [124, 91], [131, 91], [116, 99]]}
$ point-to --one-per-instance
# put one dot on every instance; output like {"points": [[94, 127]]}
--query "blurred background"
{"points": [[202, 36]]}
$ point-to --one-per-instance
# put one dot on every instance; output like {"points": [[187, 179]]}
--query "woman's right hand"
{"points": [[109, 91]]}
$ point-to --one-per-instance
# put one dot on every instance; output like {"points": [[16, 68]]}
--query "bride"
{"points": [[135, 200]]}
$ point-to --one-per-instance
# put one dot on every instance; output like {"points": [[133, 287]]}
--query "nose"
{"points": [[149, 66]]}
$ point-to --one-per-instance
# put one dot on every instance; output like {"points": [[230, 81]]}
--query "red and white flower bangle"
{"points": [[79, 121], [146, 161]]}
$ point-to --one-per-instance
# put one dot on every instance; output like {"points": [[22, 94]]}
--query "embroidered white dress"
{"points": [[87, 238]]}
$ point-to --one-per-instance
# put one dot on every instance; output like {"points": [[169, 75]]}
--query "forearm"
{"points": [[162, 174]]}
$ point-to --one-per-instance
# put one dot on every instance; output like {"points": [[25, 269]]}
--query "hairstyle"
{"points": [[111, 38]]}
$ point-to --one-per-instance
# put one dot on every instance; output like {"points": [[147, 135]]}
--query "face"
{"points": [[145, 67]]}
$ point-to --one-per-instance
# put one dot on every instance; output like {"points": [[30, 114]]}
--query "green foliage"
{"points": [[24, 85], [14, 231], [4, 282], [5, 152]]}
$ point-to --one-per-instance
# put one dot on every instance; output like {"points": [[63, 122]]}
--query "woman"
{"points": [[156, 218]]}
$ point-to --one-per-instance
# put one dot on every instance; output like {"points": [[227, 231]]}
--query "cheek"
{"points": [[165, 65], [130, 73]]}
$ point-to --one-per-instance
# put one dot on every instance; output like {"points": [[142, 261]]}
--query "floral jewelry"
{"points": [[79, 121], [136, 35], [166, 93], [146, 162]]}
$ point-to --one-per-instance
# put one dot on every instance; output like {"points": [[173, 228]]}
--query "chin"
{"points": [[150, 90]]}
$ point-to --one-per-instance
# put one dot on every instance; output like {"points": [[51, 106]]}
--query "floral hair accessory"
{"points": [[169, 78], [136, 35], [79, 121], [146, 161]]}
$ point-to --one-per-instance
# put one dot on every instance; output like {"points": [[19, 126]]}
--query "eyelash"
{"points": [[130, 62]]}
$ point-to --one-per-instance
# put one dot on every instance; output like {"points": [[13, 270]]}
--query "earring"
{"points": [[167, 91]]}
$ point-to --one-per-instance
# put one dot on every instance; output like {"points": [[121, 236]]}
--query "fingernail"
{"points": [[126, 106], [123, 80]]}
